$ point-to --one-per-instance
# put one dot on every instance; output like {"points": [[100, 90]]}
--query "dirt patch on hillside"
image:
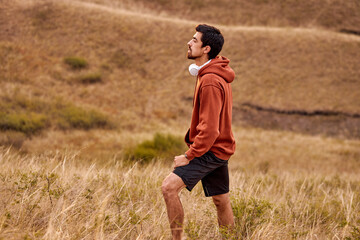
{"points": [[329, 123]]}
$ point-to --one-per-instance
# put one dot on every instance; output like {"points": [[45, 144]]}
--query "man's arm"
{"points": [[180, 161], [211, 101]]}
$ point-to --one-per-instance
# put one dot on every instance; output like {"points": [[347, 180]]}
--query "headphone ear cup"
{"points": [[194, 69]]}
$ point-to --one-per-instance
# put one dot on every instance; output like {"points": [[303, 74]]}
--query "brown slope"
{"points": [[142, 61], [329, 14]]}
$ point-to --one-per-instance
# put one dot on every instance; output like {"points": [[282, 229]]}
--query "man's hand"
{"points": [[180, 161]]}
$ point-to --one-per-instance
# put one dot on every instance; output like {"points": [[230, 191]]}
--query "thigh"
{"points": [[173, 183], [198, 168], [216, 182]]}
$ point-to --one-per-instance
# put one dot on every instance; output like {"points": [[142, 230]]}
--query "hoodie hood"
{"points": [[219, 66]]}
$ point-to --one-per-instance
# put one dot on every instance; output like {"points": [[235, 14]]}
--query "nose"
{"points": [[189, 43]]}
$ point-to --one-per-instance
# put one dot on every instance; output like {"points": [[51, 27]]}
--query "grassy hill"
{"points": [[83, 82], [139, 65], [332, 14]]}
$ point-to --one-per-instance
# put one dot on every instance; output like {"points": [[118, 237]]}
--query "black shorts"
{"points": [[212, 171]]}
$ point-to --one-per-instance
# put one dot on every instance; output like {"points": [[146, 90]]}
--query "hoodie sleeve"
{"points": [[211, 102]]}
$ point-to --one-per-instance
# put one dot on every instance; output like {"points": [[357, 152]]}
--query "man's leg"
{"points": [[171, 187], [224, 211]]}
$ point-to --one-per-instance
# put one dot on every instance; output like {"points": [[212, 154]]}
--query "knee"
{"points": [[166, 188], [217, 202], [221, 201], [171, 186]]}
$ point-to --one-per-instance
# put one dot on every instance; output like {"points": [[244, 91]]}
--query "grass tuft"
{"points": [[76, 63], [249, 214], [89, 78]]}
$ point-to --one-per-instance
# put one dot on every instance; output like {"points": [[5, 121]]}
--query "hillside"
{"points": [[137, 59], [95, 99], [335, 15]]}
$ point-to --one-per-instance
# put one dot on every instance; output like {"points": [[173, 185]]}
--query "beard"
{"points": [[189, 55]]}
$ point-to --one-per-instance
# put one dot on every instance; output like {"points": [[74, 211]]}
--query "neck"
{"points": [[201, 60]]}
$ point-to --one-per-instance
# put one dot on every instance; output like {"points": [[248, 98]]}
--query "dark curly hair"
{"points": [[211, 36]]}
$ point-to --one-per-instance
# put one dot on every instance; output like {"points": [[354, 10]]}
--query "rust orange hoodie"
{"points": [[210, 128]]}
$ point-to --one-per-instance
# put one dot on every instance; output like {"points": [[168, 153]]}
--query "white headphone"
{"points": [[194, 69]]}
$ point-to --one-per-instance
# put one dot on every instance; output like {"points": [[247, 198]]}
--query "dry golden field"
{"points": [[84, 81], [283, 186]]}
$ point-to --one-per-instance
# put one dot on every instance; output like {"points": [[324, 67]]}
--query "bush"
{"points": [[30, 116], [29, 123], [89, 78], [249, 214], [76, 62], [162, 146], [75, 117]]}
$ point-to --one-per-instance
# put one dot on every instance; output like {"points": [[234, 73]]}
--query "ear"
{"points": [[207, 49]]}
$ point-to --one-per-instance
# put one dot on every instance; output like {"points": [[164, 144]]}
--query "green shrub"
{"points": [[249, 214], [192, 230], [20, 103], [161, 146], [29, 123], [89, 78], [30, 116], [76, 62], [143, 152], [75, 117]]}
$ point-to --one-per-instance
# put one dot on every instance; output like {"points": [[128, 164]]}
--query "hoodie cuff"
{"points": [[189, 155]]}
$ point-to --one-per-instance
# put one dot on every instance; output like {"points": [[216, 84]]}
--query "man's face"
{"points": [[195, 48]]}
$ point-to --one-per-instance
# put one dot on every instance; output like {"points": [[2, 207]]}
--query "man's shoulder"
{"points": [[212, 79]]}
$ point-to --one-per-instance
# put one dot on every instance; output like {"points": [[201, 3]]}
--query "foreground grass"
{"points": [[59, 195]]}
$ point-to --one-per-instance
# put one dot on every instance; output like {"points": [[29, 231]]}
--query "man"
{"points": [[210, 138]]}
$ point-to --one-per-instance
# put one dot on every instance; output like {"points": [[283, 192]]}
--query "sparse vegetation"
{"points": [[74, 117], [121, 59], [60, 194], [76, 62], [22, 115], [29, 123], [144, 70], [249, 214], [30, 116], [67, 183], [161, 146], [89, 78]]}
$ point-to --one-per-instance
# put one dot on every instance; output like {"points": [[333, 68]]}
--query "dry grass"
{"points": [[311, 13], [76, 185], [283, 186]]}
